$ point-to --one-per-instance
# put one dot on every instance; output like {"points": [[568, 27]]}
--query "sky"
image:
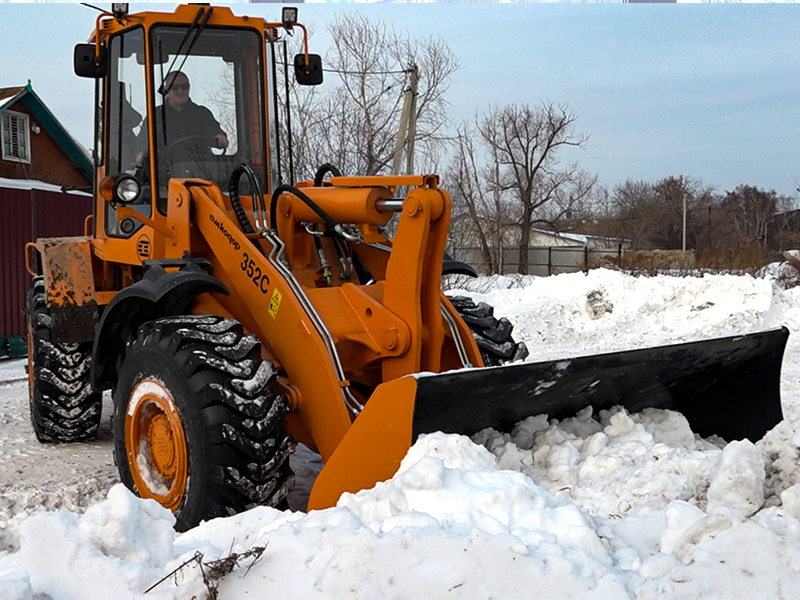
{"points": [[707, 91]]}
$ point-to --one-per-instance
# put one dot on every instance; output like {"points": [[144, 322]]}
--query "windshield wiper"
{"points": [[202, 16]]}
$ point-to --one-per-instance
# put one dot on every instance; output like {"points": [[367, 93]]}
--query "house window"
{"points": [[16, 139]]}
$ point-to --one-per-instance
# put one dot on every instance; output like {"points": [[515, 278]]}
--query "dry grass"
{"points": [[741, 258]]}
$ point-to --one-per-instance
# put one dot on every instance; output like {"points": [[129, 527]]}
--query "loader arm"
{"points": [[319, 337], [289, 327]]}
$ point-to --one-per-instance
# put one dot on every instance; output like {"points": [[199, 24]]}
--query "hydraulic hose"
{"points": [[324, 170], [273, 206], [233, 192]]}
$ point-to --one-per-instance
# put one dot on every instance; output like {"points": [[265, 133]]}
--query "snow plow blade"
{"points": [[729, 387]]}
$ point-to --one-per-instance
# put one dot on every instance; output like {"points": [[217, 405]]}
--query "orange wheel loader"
{"points": [[234, 311]]}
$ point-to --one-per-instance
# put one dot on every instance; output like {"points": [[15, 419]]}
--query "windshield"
{"points": [[208, 105]]}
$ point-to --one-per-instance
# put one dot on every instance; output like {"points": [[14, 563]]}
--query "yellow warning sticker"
{"points": [[274, 304]]}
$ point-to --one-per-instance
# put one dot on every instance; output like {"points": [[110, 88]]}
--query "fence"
{"points": [[26, 215], [543, 261]]}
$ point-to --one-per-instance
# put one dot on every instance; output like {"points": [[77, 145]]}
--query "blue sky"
{"points": [[709, 91]]}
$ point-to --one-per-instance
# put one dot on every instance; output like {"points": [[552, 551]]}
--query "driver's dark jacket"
{"points": [[192, 120]]}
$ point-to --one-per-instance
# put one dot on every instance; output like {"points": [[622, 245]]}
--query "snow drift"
{"points": [[613, 505]]}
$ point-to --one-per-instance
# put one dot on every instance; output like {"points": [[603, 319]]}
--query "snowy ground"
{"points": [[632, 506]]}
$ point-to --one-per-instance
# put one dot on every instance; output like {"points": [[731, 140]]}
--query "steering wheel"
{"points": [[195, 146]]}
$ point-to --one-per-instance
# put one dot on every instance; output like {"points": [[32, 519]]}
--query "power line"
{"points": [[406, 71], [363, 73]]}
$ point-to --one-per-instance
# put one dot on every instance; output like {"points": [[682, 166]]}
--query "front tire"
{"points": [[63, 406], [196, 426]]}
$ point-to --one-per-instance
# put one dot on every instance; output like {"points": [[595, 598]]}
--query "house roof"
{"points": [[34, 184], [580, 238], [7, 95], [70, 146]]}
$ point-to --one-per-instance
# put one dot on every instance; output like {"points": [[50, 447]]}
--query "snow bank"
{"points": [[605, 506], [451, 523], [606, 310]]}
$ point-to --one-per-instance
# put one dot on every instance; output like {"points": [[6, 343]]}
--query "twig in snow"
{"points": [[217, 569], [198, 557], [214, 571], [458, 585]]}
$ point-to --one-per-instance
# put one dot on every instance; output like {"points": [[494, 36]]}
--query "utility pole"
{"points": [[408, 125], [412, 121], [710, 244], [684, 223]]}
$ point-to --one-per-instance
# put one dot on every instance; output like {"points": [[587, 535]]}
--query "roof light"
{"points": [[289, 16], [120, 9]]}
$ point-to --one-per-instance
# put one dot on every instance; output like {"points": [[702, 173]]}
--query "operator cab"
{"points": [[224, 100], [183, 100]]}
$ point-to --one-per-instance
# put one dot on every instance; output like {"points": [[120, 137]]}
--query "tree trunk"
{"points": [[487, 253], [524, 241]]}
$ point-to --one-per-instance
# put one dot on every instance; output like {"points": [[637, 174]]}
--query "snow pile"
{"points": [[606, 506], [622, 462], [607, 310]]}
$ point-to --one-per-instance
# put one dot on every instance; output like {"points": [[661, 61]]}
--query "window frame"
{"points": [[26, 129], [109, 135]]}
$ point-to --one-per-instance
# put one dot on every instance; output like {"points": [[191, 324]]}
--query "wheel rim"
{"points": [[155, 442]]}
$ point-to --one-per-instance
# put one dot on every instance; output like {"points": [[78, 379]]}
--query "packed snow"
{"points": [[599, 507]]}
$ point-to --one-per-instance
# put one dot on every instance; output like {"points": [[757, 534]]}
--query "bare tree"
{"points": [[751, 209], [354, 124], [633, 213], [222, 98], [524, 142], [651, 214], [479, 217]]}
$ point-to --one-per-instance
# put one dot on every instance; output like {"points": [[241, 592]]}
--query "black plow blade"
{"points": [[728, 387]]}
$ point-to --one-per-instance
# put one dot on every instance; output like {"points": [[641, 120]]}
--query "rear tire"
{"points": [[196, 426], [492, 335], [63, 406]]}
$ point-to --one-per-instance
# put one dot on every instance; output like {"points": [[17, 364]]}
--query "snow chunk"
{"points": [[739, 481], [122, 542], [680, 517], [448, 480], [790, 498], [454, 452], [615, 463], [16, 586], [129, 528]]}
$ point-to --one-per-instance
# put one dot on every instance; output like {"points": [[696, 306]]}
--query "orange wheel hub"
{"points": [[158, 456]]}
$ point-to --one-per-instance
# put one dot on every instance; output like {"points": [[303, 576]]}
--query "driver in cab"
{"points": [[190, 127]]}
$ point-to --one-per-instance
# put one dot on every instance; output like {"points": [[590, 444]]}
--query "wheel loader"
{"points": [[234, 312]]}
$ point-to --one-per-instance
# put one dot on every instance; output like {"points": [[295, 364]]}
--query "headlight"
{"points": [[127, 189]]}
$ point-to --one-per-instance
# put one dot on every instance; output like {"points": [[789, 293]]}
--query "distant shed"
{"points": [[45, 191]]}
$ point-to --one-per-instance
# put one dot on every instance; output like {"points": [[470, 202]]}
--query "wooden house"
{"points": [[45, 191]]}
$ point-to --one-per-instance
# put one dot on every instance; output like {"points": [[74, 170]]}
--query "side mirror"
{"points": [[308, 74], [87, 64]]}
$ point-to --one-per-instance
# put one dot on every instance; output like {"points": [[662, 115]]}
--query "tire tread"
{"points": [[63, 406], [244, 444]]}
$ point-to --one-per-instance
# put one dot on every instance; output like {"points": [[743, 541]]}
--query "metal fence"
{"points": [[544, 261], [24, 216]]}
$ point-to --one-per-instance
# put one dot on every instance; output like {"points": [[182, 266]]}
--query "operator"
{"points": [[186, 122]]}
